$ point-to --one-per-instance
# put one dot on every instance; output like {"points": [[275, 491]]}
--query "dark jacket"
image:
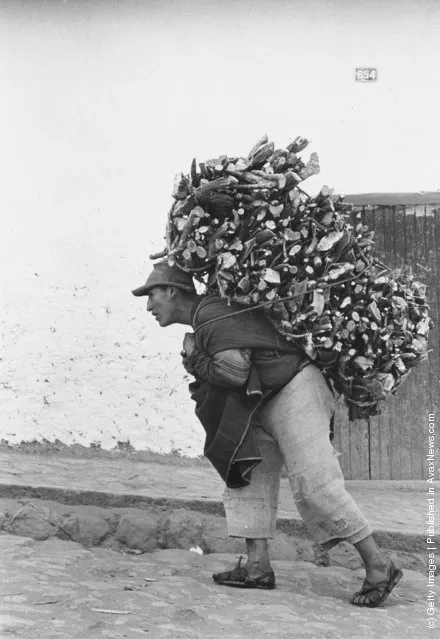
{"points": [[229, 415]]}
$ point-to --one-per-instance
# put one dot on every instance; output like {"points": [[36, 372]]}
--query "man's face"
{"points": [[162, 305]]}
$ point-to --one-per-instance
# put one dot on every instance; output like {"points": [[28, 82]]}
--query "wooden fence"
{"points": [[393, 444]]}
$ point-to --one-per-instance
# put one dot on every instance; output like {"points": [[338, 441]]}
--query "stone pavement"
{"points": [[58, 589], [389, 505], [395, 509]]}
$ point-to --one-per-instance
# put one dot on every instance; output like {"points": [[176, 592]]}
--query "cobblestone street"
{"points": [[58, 589]]}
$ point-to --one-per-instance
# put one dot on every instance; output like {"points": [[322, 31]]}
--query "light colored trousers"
{"points": [[295, 431]]}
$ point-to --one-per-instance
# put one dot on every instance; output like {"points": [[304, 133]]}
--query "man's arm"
{"points": [[228, 368]]}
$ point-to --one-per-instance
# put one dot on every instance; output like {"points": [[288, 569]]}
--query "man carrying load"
{"points": [[264, 404]]}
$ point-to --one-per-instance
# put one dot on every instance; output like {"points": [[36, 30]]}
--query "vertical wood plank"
{"points": [[374, 447], [374, 442], [432, 276], [359, 429], [359, 449], [419, 381], [393, 414], [343, 435], [433, 262], [342, 439], [402, 408], [382, 432], [385, 249], [410, 427]]}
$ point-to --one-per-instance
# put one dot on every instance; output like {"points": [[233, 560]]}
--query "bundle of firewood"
{"points": [[246, 229]]}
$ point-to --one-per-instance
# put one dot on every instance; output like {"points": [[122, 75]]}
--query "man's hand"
{"points": [[187, 350], [187, 366], [189, 344]]}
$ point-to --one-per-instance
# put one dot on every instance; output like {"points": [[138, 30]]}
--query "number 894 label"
{"points": [[365, 74]]}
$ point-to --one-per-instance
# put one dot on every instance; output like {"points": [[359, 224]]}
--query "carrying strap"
{"points": [[220, 317]]}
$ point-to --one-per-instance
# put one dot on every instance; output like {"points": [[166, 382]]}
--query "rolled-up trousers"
{"points": [[294, 431]]}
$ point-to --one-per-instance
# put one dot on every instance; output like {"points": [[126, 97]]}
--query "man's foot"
{"points": [[256, 569], [377, 586], [378, 569], [252, 575]]}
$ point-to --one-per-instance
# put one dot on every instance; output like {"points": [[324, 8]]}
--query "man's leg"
{"points": [[251, 511], [381, 574], [298, 418], [258, 562], [376, 564]]}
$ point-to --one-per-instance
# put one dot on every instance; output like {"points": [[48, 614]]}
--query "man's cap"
{"points": [[165, 275]]}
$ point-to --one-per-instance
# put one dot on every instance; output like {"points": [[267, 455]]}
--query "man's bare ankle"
{"points": [[381, 564], [262, 565]]}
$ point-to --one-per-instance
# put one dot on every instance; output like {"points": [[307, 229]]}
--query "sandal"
{"points": [[381, 590], [238, 578]]}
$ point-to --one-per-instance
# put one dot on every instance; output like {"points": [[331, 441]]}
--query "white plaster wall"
{"points": [[102, 103], [81, 361]]}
